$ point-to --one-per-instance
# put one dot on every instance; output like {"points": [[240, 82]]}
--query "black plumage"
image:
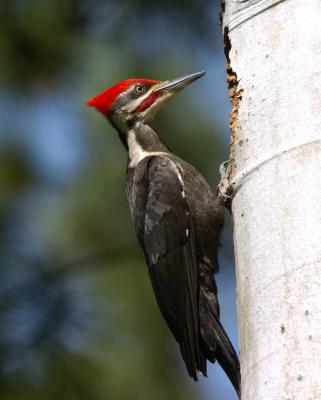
{"points": [[177, 220]]}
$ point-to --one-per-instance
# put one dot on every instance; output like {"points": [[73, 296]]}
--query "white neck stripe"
{"points": [[136, 153]]}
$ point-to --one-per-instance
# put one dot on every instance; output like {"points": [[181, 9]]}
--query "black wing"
{"points": [[169, 245]]}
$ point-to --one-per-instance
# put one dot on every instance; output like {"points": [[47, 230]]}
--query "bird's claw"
{"points": [[224, 188]]}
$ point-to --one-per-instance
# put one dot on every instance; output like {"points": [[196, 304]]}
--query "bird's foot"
{"points": [[225, 188]]}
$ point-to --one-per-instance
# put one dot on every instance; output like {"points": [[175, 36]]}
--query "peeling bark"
{"points": [[235, 95]]}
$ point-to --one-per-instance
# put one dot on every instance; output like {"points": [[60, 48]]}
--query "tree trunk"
{"points": [[273, 51]]}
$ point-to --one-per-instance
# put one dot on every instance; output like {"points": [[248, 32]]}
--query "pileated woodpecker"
{"points": [[177, 220]]}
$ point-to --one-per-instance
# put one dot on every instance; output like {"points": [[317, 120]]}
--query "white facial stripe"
{"points": [[154, 106], [132, 105]]}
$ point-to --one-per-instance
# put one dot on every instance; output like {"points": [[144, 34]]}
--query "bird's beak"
{"points": [[177, 84]]}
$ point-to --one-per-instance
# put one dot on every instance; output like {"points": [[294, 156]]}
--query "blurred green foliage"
{"points": [[78, 319]]}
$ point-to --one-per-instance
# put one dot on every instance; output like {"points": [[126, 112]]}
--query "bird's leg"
{"points": [[225, 188]]}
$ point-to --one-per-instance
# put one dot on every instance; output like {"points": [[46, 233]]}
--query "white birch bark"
{"points": [[276, 146]]}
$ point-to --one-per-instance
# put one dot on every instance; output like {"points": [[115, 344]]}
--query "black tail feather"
{"points": [[227, 357]]}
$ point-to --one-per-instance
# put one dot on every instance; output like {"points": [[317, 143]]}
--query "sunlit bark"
{"points": [[274, 72]]}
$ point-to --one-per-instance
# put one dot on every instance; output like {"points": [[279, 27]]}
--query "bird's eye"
{"points": [[140, 89]]}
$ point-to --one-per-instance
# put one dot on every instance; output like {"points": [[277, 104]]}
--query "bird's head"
{"points": [[137, 100]]}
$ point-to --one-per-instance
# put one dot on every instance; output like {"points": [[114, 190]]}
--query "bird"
{"points": [[177, 220]]}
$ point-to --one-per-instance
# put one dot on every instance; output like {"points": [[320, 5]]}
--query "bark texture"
{"points": [[273, 50]]}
